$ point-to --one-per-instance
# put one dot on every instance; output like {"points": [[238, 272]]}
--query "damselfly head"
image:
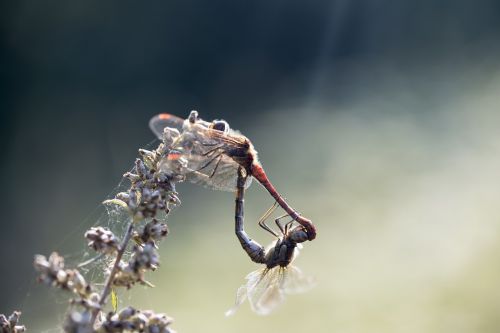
{"points": [[297, 235], [220, 125]]}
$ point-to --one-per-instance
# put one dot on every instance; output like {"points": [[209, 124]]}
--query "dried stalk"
{"points": [[109, 280], [150, 194]]}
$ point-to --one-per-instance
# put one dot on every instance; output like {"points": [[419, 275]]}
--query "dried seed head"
{"points": [[140, 168], [78, 322], [147, 153], [132, 177], [169, 136], [149, 158], [102, 240], [145, 257], [158, 323], [156, 196], [153, 231], [52, 273], [123, 196], [61, 277], [136, 321], [146, 194], [79, 284], [126, 276], [48, 269], [174, 199], [126, 313], [140, 320], [10, 325], [132, 202], [94, 297]]}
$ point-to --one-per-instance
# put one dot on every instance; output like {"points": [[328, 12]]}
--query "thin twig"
{"points": [[109, 281]]}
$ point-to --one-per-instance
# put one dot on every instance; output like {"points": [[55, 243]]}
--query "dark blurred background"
{"points": [[353, 106]]}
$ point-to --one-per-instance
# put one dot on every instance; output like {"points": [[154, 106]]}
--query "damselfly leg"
{"points": [[213, 154], [283, 227], [262, 220]]}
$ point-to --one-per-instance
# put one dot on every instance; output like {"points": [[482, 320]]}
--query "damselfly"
{"points": [[266, 288]]}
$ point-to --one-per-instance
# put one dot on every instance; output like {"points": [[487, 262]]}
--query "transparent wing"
{"points": [[220, 174], [158, 123], [241, 296], [266, 288], [259, 287], [295, 282], [264, 291]]}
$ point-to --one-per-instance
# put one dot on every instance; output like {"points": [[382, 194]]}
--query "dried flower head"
{"points": [[145, 258], [132, 320], [153, 231], [102, 240], [48, 269], [151, 192], [91, 302], [52, 273], [125, 276], [78, 322], [11, 324]]}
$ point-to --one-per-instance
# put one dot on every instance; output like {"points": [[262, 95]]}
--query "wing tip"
{"points": [[164, 116], [230, 312]]}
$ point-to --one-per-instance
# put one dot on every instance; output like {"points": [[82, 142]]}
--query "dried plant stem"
{"points": [[151, 192], [109, 280]]}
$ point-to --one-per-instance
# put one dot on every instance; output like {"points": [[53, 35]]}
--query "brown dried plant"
{"points": [[150, 195]]}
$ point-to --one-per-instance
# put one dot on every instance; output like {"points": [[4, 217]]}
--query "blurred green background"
{"points": [[378, 120]]}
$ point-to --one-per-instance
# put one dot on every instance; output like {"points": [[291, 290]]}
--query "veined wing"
{"points": [[295, 282], [220, 174], [267, 288], [260, 290], [159, 122], [264, 291]]}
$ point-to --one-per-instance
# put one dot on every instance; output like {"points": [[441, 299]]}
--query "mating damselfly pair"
{"points": [[215, 156]]}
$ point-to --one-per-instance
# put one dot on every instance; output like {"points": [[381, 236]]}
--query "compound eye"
{"points": [[220, 125]]}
